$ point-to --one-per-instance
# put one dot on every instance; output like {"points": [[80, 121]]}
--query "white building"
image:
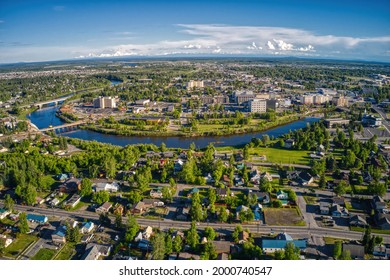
{"points": [[110, 187], [195, 84], [104, 102], [258, 106]]}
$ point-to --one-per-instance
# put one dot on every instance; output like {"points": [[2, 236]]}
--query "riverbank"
{"points": [[126, 130]]}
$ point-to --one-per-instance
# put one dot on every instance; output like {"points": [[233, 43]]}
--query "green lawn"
{"points": [[373, 230], [282, 155], [283, 217], [310, 199], [19, 245], [44, 254], [66, 252], [332, 240]]}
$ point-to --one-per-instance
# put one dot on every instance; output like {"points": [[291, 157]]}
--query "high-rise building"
{"points": [[320, 99], [243, 96], [195, 84], [340, 101], [104, 102], [258, 105]]}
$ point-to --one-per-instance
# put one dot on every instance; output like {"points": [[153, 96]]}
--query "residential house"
{"points": [[356, 250], [4, 213], [243, 236], [93, 251], [118, 209], [279, 243], [156, 193], [37, 218], [338, 201], [192, 191], [73, 201], [147, 233], [70, 185], [151, 202], [7, 240], [262, 197], [178, 165], [54, 202], [58, 236], [209, 179], [239, 209], [182, 213], [110, 187], [39, 200], [377, 203], [338, 211], [281, 195], [139, 208], [188, 256], [222, 192], [382, 220], [87, 227], [62, 177], [381, 251], [104, 208], [324, 208], [357, 221], [289, 143]]}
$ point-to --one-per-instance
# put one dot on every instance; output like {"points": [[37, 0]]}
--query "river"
{"points": [[45, 117]]}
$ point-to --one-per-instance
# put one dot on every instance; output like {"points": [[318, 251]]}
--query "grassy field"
{"points": [[66, 252], [282, 155], [19, 245], [44, 254], [310, 199], [373, 230], [332, 240], [282, 217]]}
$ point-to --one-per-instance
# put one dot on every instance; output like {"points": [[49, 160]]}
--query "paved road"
{"points": [[221, 227]]}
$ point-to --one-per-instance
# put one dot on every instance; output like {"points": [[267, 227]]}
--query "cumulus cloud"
{"points": [[227, 39]]}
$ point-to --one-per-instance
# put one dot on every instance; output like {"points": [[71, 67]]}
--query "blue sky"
{"points": [[52, 30]]}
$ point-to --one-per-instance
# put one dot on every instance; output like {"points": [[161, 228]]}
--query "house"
{"points": [[240, 209], [338, 201], [4, 213], [58, 236], [382, 220], [377, 203], [188, 256], [147, 233], [300, 177], [381, 251], [7, 240], [279, 243], [39, 200], [62, 177], [209, 179], [262, 197], [192, 191], [156, 193], [338, 211], [73, 201], [70, 185], [37, 218], [267, 176], [243, 236], [356, 250], [54, 202], [178, 165], [118, 209], [281, 195], [93, 251], [145, 245], [150, 202], [357, 221], [104, 208], [289, 143], [182, 214], [87, 227], [138, 208], [324, 208], [110, 187], [222, 192]]}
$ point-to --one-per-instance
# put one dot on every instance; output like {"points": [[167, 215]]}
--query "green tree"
{"points": [[177, 244], [209, 233], [101, 197], [209, 252], [23, 225], [341, 188], [346, 255], [292, 195], [158, 244], [168, 244], [376, 188], [132, 229], [236, 233], [9, 202], [86, 187], [337, 250], [167, 193], [222, 215], [192, 237], [118, 221], [291, 252]]}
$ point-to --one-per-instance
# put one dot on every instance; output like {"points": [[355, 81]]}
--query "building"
{"points": [[156, 193], [370, 120], [280, 242], [324, 208], [110, 187], [58, 236], [4, 213], [37, 218], [240, 97], [356, 250], [340, 101], [258, 106], [104, 208], [320, 99], [104, 102], [93, 251], [87, 227], [7, 240], [195, 84], [307, 99], [73, 201], [335, 122], [289, 143], [272, 104], [143, 102]]}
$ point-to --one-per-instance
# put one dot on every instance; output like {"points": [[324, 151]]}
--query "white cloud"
{"points": [[190, 46], [270, 45]]}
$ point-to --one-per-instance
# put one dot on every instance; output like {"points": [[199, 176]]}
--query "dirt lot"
{"points": [[282, 217]]}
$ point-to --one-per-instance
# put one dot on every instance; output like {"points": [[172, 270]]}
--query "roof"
{"points": [[281, 244], [284, 236], [357, 251], [37, 218]]}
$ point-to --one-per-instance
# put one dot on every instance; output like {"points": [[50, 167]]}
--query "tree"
{"points": [[292, 195], [192, 237], [291, 252], [337, 250], [177, 244], [209, 233], [2, 246], [132, 228], [104, 219], [23, 225], [279, 255], [163, 147], [9, 202], [222, 215], [346, 255], [236, 232], [167, 193], [158, 244], [209, 252], [322, 182], [251, 199], [212, 197], [246, 215], [101, 197], [86, 187], [196, 210], [341, 188], [168, 244], [245, 152], [118, 221], [376, 188], [277, 203]]}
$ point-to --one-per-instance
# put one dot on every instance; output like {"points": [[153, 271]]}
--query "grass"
{"points": [[277, 156], [44, 254], [310, 199], [19, 245], [331, 240], [66, 253], [373, 230], [283, 217]]}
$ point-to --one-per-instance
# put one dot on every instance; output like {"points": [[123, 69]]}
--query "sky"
{"points": [[38, 30]]}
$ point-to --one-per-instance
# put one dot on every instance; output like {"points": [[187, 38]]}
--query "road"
{"points": [[220, 227], [385, 123]]}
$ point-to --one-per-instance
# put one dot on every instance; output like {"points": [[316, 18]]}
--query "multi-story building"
{"points": [[243, 96], [340, 101], [307, 99], [104, 102], [272, 104], [195, 84], [320, 99], [258, 105]]}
